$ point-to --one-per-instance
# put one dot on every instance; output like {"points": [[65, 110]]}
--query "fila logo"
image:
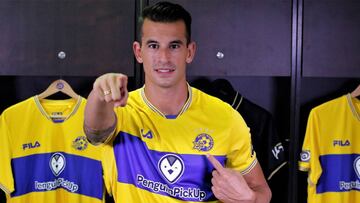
{"points": [[341, 143], [146, 135], [30, 145]]}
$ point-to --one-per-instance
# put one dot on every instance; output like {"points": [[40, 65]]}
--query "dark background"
{"points": [[287, 56]]}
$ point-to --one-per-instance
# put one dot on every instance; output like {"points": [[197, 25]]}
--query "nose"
{"points": [[164, 55]]}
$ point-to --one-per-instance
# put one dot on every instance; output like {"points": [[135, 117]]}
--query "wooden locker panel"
{"points": [[331, 42], [95, 36], [27, 37], [253, 36]]}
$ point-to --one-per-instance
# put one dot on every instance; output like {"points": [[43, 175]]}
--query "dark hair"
{"points": [[167, 12]]}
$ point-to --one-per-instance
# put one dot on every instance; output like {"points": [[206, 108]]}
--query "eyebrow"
{"points": [[151, 41], [172, 42], [176, 42]]}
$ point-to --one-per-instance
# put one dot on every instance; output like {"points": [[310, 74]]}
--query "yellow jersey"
{"points": [[45, 156], [331, 151], [162, 158]]}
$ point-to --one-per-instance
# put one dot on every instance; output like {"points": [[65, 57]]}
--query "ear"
{"points": [[137, 51], [191, 52]]}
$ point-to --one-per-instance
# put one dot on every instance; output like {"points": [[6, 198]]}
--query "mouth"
{"points": [[165, 70]]}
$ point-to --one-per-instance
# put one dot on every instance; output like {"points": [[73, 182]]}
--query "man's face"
{"points": [[164, 53]]}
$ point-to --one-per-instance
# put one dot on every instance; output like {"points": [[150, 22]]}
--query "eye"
{"points": [[153, 46], [174, 46]]}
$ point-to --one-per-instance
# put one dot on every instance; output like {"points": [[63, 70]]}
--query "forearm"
{"points": [[258, 185], [263, 194], [99, 119]]}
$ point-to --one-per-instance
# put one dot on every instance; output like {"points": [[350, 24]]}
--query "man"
{"points": [[168, 142]]}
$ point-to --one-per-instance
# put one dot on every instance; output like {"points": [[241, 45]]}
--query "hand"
{"points": [[112, 88], [229, 186]]}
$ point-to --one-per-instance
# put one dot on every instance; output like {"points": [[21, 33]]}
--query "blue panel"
{"points": [[339, 173], [182, 176], [76, 174]]}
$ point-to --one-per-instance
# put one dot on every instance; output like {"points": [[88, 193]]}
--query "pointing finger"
{"points": [[217, 165], [124, 98], [115, 89], [123, 91]]}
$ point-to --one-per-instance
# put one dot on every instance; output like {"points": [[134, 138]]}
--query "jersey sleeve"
{"points": [[242, 156], [6, 176], [118, 123], [309, 153], [106, 162]]}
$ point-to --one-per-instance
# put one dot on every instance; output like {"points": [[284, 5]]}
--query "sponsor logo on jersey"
{"points": [[357, 166], [59, 182], [57, 163], [171, 167], [147, 134], [182, 192], [277, 149], [203, 142], [31, 145], [80, 143], [351, 185], [341, 143], [305, 156]]}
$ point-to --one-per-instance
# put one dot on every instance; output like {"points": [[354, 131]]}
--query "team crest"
{"points": [[171, 167], [80, 143], [57, 163], [203, 142], [357, 166]]}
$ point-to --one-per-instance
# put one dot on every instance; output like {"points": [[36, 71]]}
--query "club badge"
{"points": [[203, 142], [171, 167], [80, 143]]}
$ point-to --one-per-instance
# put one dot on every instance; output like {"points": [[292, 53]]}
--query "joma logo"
{"points": [[148, 134]]}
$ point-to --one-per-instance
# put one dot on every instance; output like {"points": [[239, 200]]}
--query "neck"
{"points": [[168, 100]]}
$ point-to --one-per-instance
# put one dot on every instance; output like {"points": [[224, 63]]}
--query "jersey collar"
{"points": [[153, 108], [352, 106], [44, 113]]}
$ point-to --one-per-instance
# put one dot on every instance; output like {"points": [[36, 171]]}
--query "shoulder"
{"points": [[332, 106], [20, 107], [134, 97], [211, 105]]}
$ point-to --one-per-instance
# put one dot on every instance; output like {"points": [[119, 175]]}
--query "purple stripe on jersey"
{"points": [[50, 171], [340, 173], [181, 176]]}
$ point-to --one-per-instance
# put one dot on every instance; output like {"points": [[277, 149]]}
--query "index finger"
{"points": [[117, 84], [123, 91], [217, 165]]}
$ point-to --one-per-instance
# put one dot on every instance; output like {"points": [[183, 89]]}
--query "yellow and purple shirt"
{"points": [[45, 156], [161, 158]]}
